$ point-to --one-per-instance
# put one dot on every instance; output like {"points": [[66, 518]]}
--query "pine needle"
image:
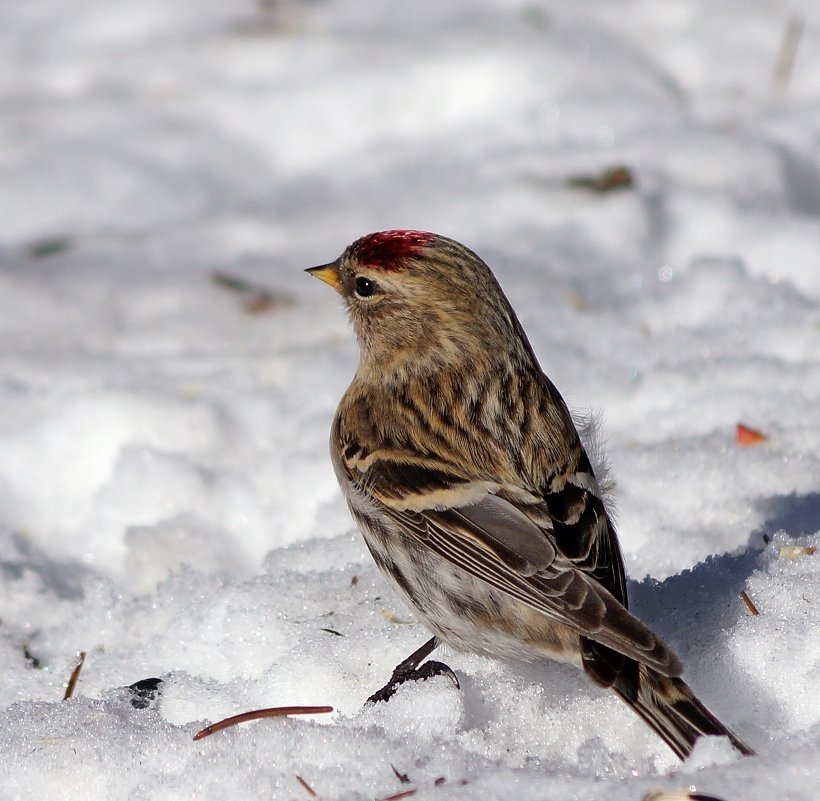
{"points": [[749, 603], [308, 789], [258, 714], [75, 674]]}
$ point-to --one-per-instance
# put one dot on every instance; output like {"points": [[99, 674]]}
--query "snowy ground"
{"points": [[166, 500]]}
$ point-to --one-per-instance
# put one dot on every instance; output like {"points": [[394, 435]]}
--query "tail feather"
{"points": [[673, 711]]}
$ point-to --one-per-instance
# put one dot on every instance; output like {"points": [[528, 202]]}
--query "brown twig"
{"points": [[402, 777], [782, 73], [796, 551], [608, 180], [255, 298], [308, 789], [749, 603], [257, 714], [397, 796], [72, 679]]}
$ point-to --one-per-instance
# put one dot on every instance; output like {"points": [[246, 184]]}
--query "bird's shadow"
{"points": [[794, 514], [694, 610]]}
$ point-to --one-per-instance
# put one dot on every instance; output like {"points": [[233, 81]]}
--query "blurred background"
{"points": [[644, 178]]}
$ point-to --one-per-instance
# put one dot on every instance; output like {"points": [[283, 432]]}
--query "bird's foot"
{"points": [[409, 672]]}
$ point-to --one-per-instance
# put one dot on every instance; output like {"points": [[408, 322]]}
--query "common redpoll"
{"points": [[466, 475]]}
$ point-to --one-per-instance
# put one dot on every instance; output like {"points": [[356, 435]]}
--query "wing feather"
{"points": [[560, 591]]}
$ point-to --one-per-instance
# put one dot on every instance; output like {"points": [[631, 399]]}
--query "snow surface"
{"points": [[166, 500]]}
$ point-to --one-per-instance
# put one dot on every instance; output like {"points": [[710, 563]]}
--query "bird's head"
{"points": [[418, 300]]}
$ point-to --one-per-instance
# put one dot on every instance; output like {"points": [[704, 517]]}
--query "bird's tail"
{"points": [[672, 710]]}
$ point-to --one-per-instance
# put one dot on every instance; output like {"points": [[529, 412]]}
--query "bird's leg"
{"points": [[409, 670]]}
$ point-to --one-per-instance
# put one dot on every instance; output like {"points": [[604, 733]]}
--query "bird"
{"points": [[463, 468]]}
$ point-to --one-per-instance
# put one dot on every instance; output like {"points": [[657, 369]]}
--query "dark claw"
{"points": [[405, 673], [432, 668]]}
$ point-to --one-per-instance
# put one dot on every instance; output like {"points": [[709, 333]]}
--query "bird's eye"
{"points": [[365, 287]]}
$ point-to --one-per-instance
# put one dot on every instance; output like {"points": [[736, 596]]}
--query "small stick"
{"points": [[257, 714], [397, 796], [75, 674], [255, 298], [308, 789], [749, 603], [796, 551], [782, 72]]}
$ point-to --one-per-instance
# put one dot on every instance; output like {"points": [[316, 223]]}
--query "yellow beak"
{"points": [[329, 273]]}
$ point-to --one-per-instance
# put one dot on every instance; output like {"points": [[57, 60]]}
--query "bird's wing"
{"points": [[528, 550]]}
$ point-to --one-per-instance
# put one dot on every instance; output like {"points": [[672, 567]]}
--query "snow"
{"points": [[167, 503]]}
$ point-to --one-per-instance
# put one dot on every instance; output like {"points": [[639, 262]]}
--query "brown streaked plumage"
{"points": [[464, 471]]}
